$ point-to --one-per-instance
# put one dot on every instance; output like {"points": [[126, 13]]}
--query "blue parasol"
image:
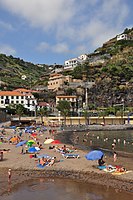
{"points": [[21, 143], [32, 150], [43, 156], [13, 127], [94, 155]]}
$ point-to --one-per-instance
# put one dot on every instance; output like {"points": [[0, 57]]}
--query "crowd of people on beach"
{"points": [[33, 134]]}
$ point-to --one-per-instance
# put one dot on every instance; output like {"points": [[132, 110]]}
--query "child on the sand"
{"points": [[115, 156], [9, 175]]}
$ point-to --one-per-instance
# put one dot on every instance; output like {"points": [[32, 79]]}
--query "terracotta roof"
{"points": [[10, 93], [43, 104], [22, 90], [55, 74]]}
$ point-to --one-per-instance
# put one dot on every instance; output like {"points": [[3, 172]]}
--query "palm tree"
{"points": [[44, 111], [86, 116], [64, 108]]}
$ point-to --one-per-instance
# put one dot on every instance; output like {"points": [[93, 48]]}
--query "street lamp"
{"points": [[59, 114], [123, 107]]}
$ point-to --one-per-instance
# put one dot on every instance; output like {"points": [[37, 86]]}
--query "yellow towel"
{"points": [[120, 173]]}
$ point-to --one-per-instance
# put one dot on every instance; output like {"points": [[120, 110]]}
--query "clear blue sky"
{"points": [[52, 31]]}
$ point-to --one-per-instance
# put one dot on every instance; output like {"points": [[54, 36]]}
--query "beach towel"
{"points": [[101, 167], [42, 166], [109, 170], [70, 155], [120, 173]]}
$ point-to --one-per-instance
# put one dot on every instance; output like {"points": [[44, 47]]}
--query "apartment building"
{"points": [[58, 80], [18, 96], [71, 99], [72, 63]]}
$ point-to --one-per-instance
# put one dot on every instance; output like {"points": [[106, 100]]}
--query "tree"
{"points": [[64, 108], [70, 91], [19, 110], [86, 116], [44, 111]]}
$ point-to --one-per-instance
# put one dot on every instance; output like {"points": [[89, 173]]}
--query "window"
{"points": [[12, 102], [6, 101], [2, 102], [12, 97], [22, 102], [17, 97], [17, 101], [2, 97], [22, 97]]}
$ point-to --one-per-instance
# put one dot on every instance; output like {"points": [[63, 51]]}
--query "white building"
{"points": [[72, 63], [18, 96], [122, 37]]}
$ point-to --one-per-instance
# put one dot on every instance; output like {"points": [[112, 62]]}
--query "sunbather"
{"points": [[42, 161], [120, 169], [52, 161]]}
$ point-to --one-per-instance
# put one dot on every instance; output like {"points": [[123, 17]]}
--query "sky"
{"points": [[52, 31]]}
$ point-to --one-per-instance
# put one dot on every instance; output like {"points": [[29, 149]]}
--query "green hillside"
{"points": [[12, 69]]}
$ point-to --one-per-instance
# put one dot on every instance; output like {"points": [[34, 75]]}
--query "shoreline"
{"points": [[25, 168], [97, 127], [22, 175]]}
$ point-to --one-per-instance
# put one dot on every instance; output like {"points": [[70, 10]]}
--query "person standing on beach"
{"points": [[115, 156], [9, 175]]}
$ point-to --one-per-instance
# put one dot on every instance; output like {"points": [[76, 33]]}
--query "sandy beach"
{"points": [[23, 167]]}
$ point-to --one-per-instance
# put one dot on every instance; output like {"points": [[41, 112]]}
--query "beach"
{"points": [[24, 167]]}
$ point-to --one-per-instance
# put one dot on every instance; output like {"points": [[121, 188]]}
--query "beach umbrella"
{"points": [[37, 148], [13, 127], [43, 156], [94, 155], [21, 143], [34, 134], [48, 141], [56, 142], [30, 143], [13, 139], [32, 150], [28, 131]]}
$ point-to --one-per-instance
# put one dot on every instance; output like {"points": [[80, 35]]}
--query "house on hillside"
{"points": [[58, 80], [72, 99], [18, 96], [123, 36], [72, 63]]}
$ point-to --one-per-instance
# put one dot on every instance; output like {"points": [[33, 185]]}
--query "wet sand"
{"points": [[25, 168]]}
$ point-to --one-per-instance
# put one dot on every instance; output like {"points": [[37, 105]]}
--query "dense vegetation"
{"points": [[12, 69]]}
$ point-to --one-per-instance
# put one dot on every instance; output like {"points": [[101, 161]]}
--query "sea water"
{"points": [[87, 140], [63, 189]]}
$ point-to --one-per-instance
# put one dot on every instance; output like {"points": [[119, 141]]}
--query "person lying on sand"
{"points": [[120, 169], [42, 161], [52, 161]]}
